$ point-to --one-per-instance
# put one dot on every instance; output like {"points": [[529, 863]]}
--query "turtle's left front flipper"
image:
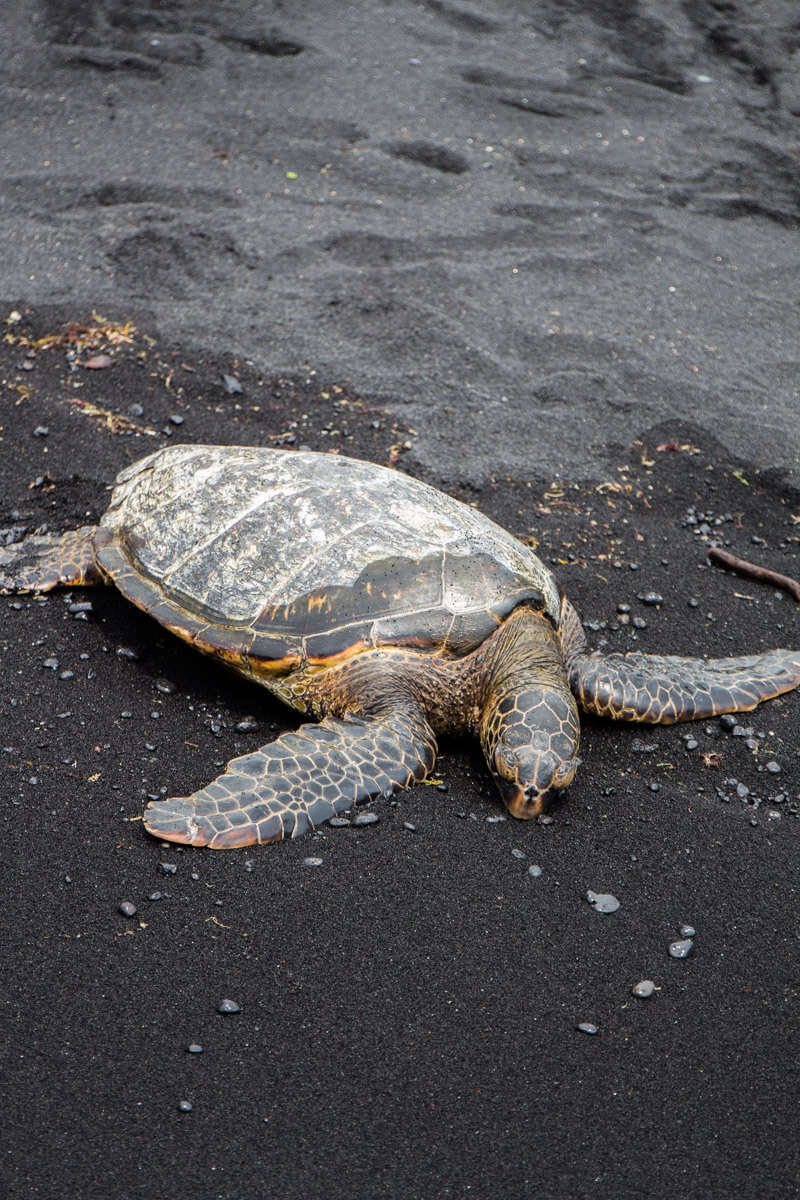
{"points": [[300, 780], [661, 690]]}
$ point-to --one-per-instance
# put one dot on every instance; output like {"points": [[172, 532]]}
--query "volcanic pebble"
{"points": [[602, 902], [228, 1006]]}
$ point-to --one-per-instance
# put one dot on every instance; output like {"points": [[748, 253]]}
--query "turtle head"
{"points": [[530, 740]]}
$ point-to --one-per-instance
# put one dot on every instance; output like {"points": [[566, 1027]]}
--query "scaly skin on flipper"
{"points": [[44, 561], [661, 689], [297, 782]]}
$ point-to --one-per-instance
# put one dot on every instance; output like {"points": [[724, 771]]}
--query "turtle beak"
{"points": [[525, 803]]}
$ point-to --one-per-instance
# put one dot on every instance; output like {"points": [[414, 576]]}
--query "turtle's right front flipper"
{"points": [[299, 781], [44, 561]]}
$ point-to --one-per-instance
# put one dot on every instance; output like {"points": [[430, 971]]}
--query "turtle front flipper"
{"points": [[297, 782], [44, 561], [661, 690]]}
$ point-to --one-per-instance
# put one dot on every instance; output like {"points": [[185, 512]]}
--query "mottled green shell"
{"points": [[274, 557]]}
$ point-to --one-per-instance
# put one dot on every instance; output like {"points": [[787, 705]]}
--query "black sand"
{"points": [[500, 322]]}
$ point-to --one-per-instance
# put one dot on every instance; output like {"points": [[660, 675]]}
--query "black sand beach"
{"points": [[543, 256]]}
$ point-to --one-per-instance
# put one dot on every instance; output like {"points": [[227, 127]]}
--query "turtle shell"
{"points": [[271, 557]]}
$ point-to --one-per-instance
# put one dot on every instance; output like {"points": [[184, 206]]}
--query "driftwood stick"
{"points": [[742, 567]]}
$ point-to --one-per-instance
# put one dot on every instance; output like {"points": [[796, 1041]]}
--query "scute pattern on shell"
{"points": [[302, 542]]}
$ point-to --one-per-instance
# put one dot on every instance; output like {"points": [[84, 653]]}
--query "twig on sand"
{"points": [[742, 567]]}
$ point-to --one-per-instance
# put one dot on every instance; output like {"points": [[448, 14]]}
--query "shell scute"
{"points": [[424, 629]]}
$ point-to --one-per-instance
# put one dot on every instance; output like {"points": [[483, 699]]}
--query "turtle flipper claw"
{"points": [[299, 781]]}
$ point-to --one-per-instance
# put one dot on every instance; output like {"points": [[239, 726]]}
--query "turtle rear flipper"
{"points": [[661, 690], [299, 781], [44, 561]]}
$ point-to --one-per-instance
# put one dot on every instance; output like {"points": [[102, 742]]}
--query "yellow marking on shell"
{"points": [[233, 657], [265, 668], [325, 660], [179, 629]]}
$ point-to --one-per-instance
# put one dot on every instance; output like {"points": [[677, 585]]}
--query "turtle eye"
{"points": [[505, 762], [565, 773]]}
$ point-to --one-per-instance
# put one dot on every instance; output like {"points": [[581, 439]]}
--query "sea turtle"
{"points": [[385, 609]]}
